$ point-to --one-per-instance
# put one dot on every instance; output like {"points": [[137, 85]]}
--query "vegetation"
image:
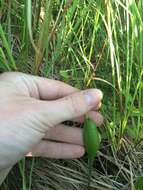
{"points": [[92, 140], [86, 44]]}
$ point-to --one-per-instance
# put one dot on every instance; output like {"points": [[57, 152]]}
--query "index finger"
{"points": [[38, 87], [52, 89]]}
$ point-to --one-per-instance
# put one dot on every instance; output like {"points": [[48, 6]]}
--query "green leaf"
{"points": [[64, 74], [137, 112], [7, 48], [139, 183]]}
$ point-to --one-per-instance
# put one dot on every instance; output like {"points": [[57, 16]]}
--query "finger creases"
{"points": [[69, 107], [49, 89], [57, 150], [66, 134]]}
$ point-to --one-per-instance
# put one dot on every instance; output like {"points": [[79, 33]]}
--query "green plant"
{"points": [[139, 183], [92, 141]]}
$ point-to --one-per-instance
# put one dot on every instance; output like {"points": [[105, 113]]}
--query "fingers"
{"points": [[68, 134], [65, 134], [96, 116], [57, 150], [69, 107], [52, 89], [70, 139], [39, 87]]}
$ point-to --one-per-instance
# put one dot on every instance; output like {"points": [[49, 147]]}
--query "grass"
{"points": [[86, 44]]}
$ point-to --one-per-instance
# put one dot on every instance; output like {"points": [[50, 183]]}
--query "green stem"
{"points": [[90, 167]]}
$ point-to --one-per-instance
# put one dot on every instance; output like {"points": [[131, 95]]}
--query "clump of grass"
{"points": [[86, 44]]}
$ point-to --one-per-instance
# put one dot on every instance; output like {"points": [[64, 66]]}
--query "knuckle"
{"points": [[9, 75], [14, 78], [74, 106]]}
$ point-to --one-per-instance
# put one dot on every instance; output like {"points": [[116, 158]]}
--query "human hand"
{"points": [[31, 112]]}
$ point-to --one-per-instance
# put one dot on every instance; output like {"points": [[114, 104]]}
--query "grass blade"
{"points": [[6, 46]]}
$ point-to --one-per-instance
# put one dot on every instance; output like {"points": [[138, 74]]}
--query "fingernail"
{"points": [[93, 97]]}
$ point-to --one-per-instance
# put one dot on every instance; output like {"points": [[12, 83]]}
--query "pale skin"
{"points": [[32, 110]]}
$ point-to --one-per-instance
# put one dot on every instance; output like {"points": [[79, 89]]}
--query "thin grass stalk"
{"points": [[140, 102], [139, 39], [43, 38], [112, 53], [22, 172], [6, 46], [3, 60], [25, 40], [38, 14], [9, 23], [116, 27], [28, 5], [127, 56], [31, 172]]}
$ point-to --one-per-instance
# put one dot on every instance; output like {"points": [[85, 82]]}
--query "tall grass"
{"points": [[86, 44]]}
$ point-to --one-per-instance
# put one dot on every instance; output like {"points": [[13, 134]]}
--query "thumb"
{"points": [[69, 107]]}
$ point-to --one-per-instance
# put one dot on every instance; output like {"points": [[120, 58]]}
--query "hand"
{"points": [[31, 112]]}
